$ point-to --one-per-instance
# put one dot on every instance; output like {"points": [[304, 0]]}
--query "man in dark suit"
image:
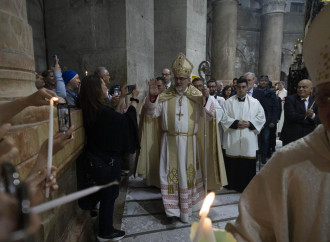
{"points": [[300, 113], [268, 101]]}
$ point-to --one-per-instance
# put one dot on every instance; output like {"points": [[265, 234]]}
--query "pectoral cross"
{"points": [[180, 114], [180, 104]]}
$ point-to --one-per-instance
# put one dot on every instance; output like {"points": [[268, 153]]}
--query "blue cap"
{"points": [[68, 76]]}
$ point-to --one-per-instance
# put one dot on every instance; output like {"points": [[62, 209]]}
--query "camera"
{"points": [[130, 88], [64, 119]]}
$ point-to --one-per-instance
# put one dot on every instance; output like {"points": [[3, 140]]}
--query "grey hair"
{"points": [[219, 82], [99, 71], [252, 74]]}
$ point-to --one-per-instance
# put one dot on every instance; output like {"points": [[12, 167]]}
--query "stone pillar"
{"points": [[180, 26], [271, 38], [224, 34], [16, 51]]}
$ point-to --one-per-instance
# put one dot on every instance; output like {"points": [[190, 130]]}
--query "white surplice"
{"points": [[184, 200], [242, 142], [281, 94], [289, 200]]}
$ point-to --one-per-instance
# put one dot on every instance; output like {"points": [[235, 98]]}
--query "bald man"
{"points": [[300, 113]]}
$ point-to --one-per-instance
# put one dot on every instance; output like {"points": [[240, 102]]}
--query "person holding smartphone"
{"points": [[109, 135]]}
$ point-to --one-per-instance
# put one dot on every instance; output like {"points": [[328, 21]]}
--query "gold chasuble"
{"points": [[151, 133]]}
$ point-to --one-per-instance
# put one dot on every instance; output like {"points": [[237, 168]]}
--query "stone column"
{"points": [[224, 34], [16, 51], [271, 38]]}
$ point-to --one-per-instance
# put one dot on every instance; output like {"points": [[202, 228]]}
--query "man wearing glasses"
{"points": [[166, 73], [180, 109]]}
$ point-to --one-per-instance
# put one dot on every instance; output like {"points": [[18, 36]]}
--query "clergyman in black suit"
{"points": [[300, 113]]}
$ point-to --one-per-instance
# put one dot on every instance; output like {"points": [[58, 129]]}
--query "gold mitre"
{"points": [[182, 66], [316, 48]]}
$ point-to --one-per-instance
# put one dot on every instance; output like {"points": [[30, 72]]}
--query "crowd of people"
{"points": [[287, 201]]}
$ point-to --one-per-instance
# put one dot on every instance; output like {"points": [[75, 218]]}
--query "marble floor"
{"points": [[140, 213], [144, 217]]}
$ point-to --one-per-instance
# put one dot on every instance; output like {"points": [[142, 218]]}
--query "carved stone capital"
{"points": [[217, 2], [273, 6]]}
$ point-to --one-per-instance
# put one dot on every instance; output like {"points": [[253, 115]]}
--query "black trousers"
{"points": [[240, 172], [104, 169]]}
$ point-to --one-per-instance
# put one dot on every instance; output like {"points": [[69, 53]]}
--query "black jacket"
{"points": [[295, 124], [269, 102]]}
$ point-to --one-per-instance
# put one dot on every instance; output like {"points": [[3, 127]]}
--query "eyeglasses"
{"points": [[165, 74], [180, 78]]}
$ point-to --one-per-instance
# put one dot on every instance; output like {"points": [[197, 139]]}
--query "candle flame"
{"points": [[55, 99], [207, 204]]}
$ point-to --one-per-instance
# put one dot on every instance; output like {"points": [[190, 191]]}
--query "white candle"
{"points": [[50, 139], [208, 233], [69, 198], [86, 73], [203, 213], [299, 48]]}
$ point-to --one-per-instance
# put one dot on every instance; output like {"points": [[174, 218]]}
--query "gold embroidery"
{"points": [[191, 174], [172, 179]]}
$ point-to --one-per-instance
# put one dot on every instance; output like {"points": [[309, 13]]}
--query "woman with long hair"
{"points": [[226, 92], [109, 135]]}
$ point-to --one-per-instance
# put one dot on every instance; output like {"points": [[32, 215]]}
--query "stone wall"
{"points": [[196, 32], [140, 42], [293, 30], [180, 26], [35, 15], [16, 51], [29, 132], [248, 38], [248, 35]]}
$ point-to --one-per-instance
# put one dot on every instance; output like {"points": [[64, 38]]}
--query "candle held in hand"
{"points": [[50, 139]]}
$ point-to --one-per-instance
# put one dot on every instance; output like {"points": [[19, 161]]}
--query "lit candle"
{"points": [[300, 47], [86, 73], [207, 232], [50, 139], [203, 213], [69, 198]]}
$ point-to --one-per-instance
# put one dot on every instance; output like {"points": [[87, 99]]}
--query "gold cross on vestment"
{"points": [[180, 114], [180, 104]]}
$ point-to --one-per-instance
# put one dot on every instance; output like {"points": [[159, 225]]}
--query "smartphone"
{"points": [[23, 206], [130, 88], [55, 58], [9, 178], [64, 119]]}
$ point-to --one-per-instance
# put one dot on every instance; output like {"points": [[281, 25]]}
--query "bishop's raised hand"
{"points": [[153, 88]]}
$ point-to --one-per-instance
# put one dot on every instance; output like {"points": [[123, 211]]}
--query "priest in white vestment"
{"points": [[242, 123], [180, 108], [289, 200]]}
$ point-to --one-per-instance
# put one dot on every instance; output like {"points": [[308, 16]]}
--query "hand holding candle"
{"points": [[50, 140]]}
